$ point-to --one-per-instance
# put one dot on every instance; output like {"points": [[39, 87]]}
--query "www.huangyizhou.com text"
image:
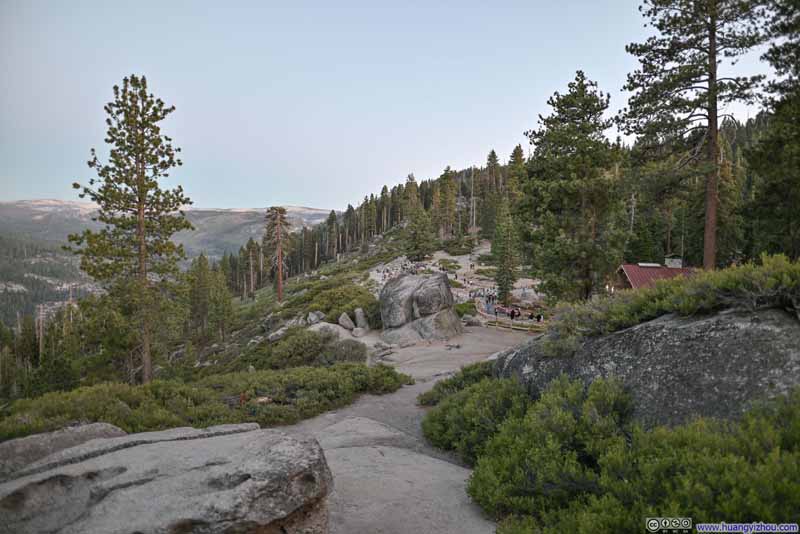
{"points": [[746, 528]]}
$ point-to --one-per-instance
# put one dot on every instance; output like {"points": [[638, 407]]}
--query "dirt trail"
{"points": [[387, 478]]}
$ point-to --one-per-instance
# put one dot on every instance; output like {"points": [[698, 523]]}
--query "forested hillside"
{"points": [[695, 183], [35, 272]]}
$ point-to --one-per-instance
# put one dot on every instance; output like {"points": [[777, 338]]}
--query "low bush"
{"points": [[466, 420], [543, 460], [301, 347], [458, 247], [455, 283], [265, 397], [466, 308], [468, 375], [333, 297], [775, 282], [449, 265], [573, 463], [486, 272]]}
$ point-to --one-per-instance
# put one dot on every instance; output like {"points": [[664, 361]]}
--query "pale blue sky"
{"points": [[302, 103]]}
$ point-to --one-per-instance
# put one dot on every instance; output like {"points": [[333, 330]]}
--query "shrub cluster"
{"points": [[265, 397], [465, 420], [334, 296], [773, 283], [301, 347], [458, 247], [465, 308], [711, 471], [468, 375], [550, 456], [574, 461], [449, 265]]}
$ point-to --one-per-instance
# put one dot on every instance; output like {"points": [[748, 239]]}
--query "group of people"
{"points": [[488, 294]]}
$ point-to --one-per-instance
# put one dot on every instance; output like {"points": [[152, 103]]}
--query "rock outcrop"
{"points": [[416, 308], [677, 368], [346, 322], [231, 478], [361, 319], [18, 453], [278, 334]]}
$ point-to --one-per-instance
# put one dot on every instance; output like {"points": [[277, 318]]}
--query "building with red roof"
{"points": [[637, 275]]}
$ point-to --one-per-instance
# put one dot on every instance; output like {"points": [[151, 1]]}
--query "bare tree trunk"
{"points": [[710, 230], [147, 362]]}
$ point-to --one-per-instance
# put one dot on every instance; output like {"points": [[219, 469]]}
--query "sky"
{"points": [[298, 103]]}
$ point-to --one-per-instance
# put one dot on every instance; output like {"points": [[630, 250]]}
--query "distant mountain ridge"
{"points": [[217, 230]]}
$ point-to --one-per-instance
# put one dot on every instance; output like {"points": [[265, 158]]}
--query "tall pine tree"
{"points": [[133, 254], [277, 236], [678, 88], [576, 239]]}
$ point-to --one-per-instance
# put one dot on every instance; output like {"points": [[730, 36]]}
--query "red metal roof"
{"points": [[646, 275]]}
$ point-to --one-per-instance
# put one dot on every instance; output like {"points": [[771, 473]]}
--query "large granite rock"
{"points": [[678, 368], [418, 307], [18, 453], [314, 317], [361, 319], [346, 322], [231, 478]]}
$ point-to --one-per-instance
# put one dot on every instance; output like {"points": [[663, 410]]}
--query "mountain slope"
{"points": [[216, 230]]}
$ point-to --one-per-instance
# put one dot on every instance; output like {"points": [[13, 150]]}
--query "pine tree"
{"points": [[575, 239], [420, 236], [220, 304], [517, 176], [199, 292], [784, 51], [133, 255], [504, 249], [410, 197], [776, 157], [277, 232], [448, 193], [437, 212], [678, 88]]}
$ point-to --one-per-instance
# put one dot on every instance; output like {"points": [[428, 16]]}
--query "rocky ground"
{"points": [[386, 478]]}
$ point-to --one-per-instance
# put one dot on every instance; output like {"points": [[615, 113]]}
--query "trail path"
{"points": [[387, 479]]}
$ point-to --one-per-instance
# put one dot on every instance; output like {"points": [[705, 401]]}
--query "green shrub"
{"points": [[345, 350], [544, 460], [455, 283], [468, 375], [458, 247], [572, 464], [773, 283], [466, 308], [270, 397], [334, 296], [518, 525], [486, 272], [300, 347], [466, 420], [449, 265], [155, 406]]}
